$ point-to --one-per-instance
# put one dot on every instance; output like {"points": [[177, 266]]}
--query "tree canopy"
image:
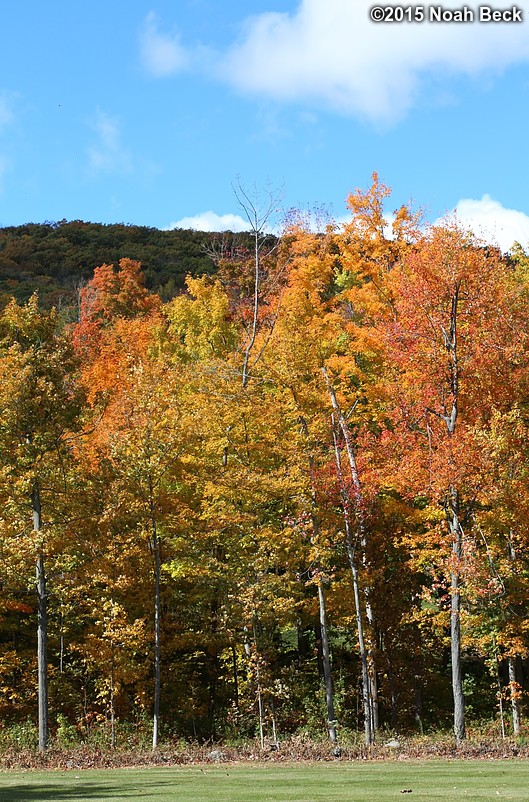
{"points": [[291, 494]]}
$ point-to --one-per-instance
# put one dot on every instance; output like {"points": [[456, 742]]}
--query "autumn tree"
{"points": [[111, 294], [450, 310], [246, 490], [135, 431], [309, 334], [40, 405]]}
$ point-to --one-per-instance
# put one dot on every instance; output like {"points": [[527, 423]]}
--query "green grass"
{"points": [[335, 782]]}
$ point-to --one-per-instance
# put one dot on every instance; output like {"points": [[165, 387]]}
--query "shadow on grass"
{"points": [[51, 792]]}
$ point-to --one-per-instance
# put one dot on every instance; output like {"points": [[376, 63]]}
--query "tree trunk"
{"points": [[253, 332], [454, 525], [351, 553], [259, 689], [371, 665], [417, 705], [392, 692], [366, 687], [42, 625], [235, 677], [331, 723], [326, 657], [157, 633], [356, 504], [500, 694], [455, 617], [112, 694], [514, 691], [514, 687]]}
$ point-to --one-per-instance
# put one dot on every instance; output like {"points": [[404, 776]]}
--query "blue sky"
{"points": [[148, 112]]}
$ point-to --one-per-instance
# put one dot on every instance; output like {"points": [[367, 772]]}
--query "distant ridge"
{"points": [[55, 258]]}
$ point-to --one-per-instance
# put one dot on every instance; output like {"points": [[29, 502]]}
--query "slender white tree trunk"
{"points": [[259, 689], [351, 553], [455, 618], [112, 695], [514, 691], [326, 659], [42, 625], [500, 695], [157, 627], [454, 525], [514, 687], [353, 504]]}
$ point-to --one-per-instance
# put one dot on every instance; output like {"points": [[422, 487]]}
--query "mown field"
{"points": [[351, 782]]}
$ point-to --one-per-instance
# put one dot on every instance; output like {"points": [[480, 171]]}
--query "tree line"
{"points": [[294, 495], [57, 258]]}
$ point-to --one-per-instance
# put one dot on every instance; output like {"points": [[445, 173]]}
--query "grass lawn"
{"points": [[329, 782]]}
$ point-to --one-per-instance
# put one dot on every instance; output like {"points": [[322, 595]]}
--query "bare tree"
{"points": [[258, 209]]}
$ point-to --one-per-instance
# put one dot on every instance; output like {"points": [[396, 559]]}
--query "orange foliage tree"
{"points": [[451, 342]]}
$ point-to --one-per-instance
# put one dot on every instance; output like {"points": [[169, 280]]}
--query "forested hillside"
{"points": [[55, 258], [294, 496]]}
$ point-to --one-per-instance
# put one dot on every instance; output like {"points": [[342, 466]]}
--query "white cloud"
{"points": [[492, 222], [486, 218], [329, 52], [211, 221], [162, 54], [108, 154]]}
